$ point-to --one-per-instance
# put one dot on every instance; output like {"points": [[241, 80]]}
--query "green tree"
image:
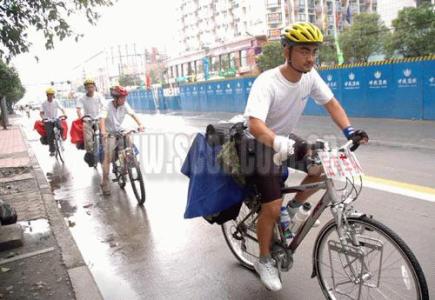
{"points": [[48, 16], [272, 56], [10, 85], [129, 79], [414, 32], [365, 37], [328, 51]]}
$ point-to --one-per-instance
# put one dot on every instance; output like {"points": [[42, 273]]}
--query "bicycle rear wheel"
{"points": [[241, 237], [137, 183], [378, 266]]}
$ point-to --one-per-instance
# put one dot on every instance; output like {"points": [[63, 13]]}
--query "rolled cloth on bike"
{"points": [[211, 190], [76, 132]]}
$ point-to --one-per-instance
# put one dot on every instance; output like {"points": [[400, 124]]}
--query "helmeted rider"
{"points": [[49, 110], [111, 120], [275, 105]]}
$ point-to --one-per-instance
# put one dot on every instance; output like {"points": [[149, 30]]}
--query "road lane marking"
{"points": [[392, 186], [401, 188]]}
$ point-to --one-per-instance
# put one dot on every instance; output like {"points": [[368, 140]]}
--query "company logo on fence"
{"points": [[219, 90], [194, 92], [248, 88], [432, 81], [378, 82], [209, 90], [351, 84], [330, 83], [228, 89], [239, 89], [408, 80]]}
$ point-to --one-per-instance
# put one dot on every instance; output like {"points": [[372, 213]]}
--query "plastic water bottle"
{"points": [[285, 221], [300, 216]]}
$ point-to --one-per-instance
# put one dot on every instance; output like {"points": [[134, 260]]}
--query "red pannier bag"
{"points": [[40, 128], [64, 126], [77, 132]]}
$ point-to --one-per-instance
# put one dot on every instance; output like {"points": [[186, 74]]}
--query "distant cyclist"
{"points": [[49, 110], [111, 120], [91, 104]]}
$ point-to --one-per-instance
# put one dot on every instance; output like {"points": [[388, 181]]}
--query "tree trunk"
{"points": [[4, 113]]}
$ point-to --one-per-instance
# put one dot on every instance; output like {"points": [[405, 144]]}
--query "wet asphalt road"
{"points": [[151, 252]]}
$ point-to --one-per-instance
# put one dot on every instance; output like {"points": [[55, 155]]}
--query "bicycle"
{"points": [[96, 139], [58, 141], [354, 256], [125, 163]]}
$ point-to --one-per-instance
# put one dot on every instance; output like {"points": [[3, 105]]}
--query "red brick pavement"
{"points": [[12, 148]]}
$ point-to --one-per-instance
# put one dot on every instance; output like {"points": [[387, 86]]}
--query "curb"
{"points": [[83, 283]]}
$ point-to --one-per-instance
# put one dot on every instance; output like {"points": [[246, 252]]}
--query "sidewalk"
{"points": [[49, 264]]}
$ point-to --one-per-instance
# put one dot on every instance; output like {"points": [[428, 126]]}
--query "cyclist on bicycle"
{"points": [[92, 104], [112, 116], [275, 104], [49, 110]]}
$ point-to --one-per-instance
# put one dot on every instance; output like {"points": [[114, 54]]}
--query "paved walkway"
{"points": [[49, 264], [13, 150]]}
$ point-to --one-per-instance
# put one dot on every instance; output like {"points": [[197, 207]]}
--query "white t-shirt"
{"points": [[280, 103], [115, 116], [50, 109], [91, 106]]}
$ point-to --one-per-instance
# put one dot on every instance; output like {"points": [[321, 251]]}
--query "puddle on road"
{"points": [[39, 227]]}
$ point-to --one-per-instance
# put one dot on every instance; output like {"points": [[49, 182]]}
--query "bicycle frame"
{"points": [[328, 198]]}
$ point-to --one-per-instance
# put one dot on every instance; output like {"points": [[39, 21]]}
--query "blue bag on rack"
{"points": [[211, 190]]}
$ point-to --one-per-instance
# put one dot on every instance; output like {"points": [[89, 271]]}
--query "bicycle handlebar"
{"points": [[318, 146], [62, 117], [90, 118], [123, 132]]}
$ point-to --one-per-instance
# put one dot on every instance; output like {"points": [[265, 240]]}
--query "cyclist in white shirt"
{"points": [[111, 120], [49, 110], [91, 104], [275, 105]]}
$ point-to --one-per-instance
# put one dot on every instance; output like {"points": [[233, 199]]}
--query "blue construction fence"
{"points": [[404, 90]]}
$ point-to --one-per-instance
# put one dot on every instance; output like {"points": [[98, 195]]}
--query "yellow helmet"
{"points": [[301, 33], [50, 91], [89, 81]]}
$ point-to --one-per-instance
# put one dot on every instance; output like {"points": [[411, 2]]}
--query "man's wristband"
{"points": [[348, 131]]}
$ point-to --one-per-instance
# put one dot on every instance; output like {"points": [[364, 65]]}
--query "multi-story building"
{"points": [[108, 65], [389, 9], [209, 23], [228, 33], [327, 14]]}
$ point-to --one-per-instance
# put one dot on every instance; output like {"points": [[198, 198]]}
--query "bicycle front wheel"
{"points": [[376, 265], [120, 178], [59, 150], [137, 183], [241, 236]]}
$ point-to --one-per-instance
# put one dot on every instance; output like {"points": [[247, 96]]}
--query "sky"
{"points": [[144, 22]]}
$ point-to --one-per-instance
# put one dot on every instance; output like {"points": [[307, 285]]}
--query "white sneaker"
{"points": [[269, 275]]}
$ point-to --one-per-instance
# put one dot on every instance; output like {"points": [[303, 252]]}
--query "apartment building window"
{"points": [[232, 62], [272, 3], [243, 58]]}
